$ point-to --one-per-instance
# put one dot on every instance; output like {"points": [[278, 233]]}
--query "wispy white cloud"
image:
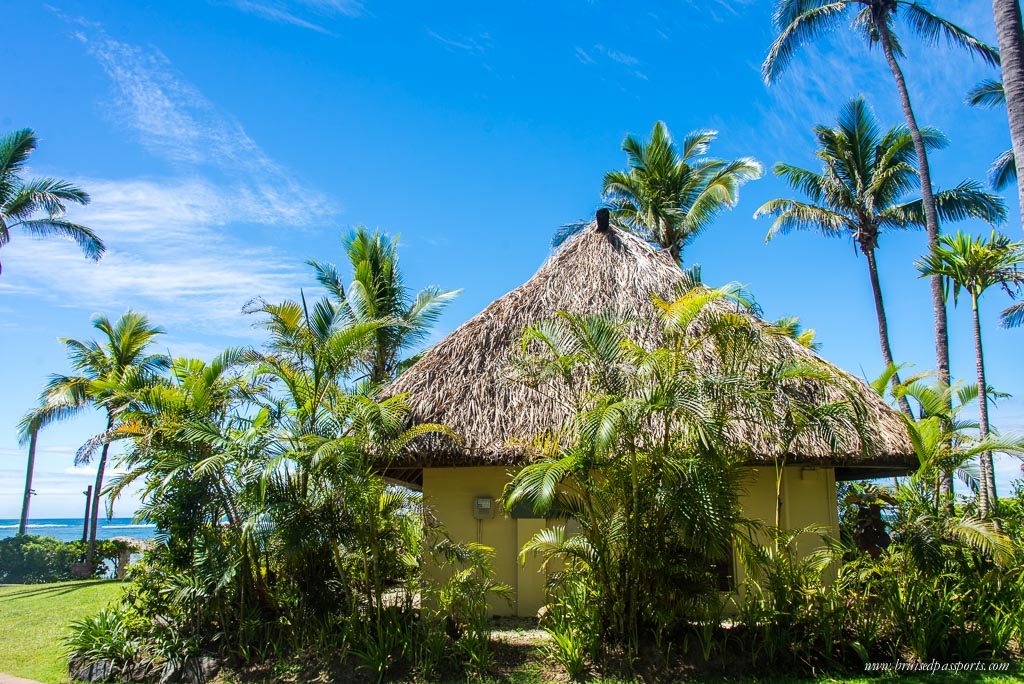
{"points": [[172, 245], [617, 56], [301, 13], [43, 450], [193, 286], [175, 121], [720, 10], [477, 45], [58, 493], [623, 60], [1009, 471], [275, 13], [584, 56]]}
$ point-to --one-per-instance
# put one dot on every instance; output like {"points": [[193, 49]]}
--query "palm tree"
{"points": [[989, 94], [1011, 48], [944, 441], [976, 264], [671, 194], [378, 293], [799, 22], [329, 445], [28, 431], [861, 191], [108, 375], [20, 200]]}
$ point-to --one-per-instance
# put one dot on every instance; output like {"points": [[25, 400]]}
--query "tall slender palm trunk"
{"points": [[883, 327], [931, 219], [29, 470], [988, 481], [1007, 16], [90, 553]]}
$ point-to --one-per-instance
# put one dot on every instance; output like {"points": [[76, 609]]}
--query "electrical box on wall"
{"points": [[483, 508]]}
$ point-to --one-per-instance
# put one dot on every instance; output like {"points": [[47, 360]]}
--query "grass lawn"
{"points": [[33, 618]]}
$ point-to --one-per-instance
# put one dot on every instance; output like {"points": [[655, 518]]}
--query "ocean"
{"points": [[70, 529]]}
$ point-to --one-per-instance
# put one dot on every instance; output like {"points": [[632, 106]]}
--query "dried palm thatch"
{"points": [[465, 382]]}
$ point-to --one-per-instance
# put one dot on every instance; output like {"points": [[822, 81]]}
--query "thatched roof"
{"points": [[464, 381]]}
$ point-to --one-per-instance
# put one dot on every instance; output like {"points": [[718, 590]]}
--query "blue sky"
{"points": [[226, 142]]}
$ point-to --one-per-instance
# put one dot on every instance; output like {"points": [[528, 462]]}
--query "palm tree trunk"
{"points": [[88, 517], [29, 469], [988, 480], [931, 219], [90, 553], [883, 328], [676, 250], [1011, 51]]}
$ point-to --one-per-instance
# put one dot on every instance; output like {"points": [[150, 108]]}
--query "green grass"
{"points": [[34, 618]]}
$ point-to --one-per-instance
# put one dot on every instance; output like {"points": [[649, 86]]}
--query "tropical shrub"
{"points": [[111, 637], [923, 577], [32, 559]]}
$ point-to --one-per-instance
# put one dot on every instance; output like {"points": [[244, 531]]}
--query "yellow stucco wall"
{"points": [[451, 492], [809, 497]]}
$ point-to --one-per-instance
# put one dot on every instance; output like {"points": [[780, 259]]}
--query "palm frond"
{"points": [[1003, 171], [1013, 315], [799, 22], [988, 94], [90, 243], [933, 28]]}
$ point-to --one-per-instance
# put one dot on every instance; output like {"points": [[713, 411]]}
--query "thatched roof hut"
{"points": [[463, 382]]}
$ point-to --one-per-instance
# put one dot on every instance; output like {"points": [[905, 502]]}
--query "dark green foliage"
{"points": [[31, 559], [932, 594], [862, 524]]}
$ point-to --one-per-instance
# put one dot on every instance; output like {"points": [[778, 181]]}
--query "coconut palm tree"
{"points": [[1011, 48], [109, 373], [21, 200], [975, 264], [378, 293], [989, 94], [861, 192], [799, 22], [670, 194], [28, 431]]}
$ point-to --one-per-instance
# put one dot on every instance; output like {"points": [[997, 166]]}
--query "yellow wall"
{"points": [[809, 497], [450, 494]]}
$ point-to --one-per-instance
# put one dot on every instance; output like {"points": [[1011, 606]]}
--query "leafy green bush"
{"points": [[113, 635], [947, 588], [571, 622], [32, 559], [462, 602]]}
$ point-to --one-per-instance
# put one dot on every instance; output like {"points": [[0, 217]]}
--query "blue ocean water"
{"points": [[70, 529]]}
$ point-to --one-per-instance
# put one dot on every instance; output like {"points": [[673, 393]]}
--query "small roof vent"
{"points": [[603, 218]]}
